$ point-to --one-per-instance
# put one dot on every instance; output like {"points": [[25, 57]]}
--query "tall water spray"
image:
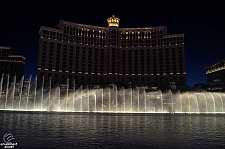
{"points": [[21, 91], [111, 100], [1, 85], [13, 92], [28, 92], [35, 92], [7, 91]]}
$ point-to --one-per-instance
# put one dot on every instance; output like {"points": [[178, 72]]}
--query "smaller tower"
{"points": [[113, 21]]}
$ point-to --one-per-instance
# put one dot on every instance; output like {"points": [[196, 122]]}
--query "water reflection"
{"points": [[52, 130]]}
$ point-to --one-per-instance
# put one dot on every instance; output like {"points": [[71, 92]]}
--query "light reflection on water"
{"points": [[63, 130]]}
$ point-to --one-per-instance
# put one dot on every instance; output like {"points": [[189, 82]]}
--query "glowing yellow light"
{"points": [[113, 21]]}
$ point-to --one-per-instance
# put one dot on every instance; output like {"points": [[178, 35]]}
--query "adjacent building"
{"points": [[90, 54], [216, 72], [10, 63]]}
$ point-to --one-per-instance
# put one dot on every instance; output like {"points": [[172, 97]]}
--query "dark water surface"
{"points": [[66, 130]]}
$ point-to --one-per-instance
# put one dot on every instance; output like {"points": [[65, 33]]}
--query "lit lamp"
{"points": [[113, 21]]}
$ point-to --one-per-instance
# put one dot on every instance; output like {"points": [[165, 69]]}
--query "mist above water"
{"points": [[105, 100]]}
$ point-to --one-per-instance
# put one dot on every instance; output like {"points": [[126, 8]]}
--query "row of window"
{"points": [[82, 77], [128, 38], [216, 66], [70, 48], [157, 81], [115, 42], [95, 66], [84, 58]]}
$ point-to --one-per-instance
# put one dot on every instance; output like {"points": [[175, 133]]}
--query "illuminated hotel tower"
{"points": [[11, 64], [101, 55]]}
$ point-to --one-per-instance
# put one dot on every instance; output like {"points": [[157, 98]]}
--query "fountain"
{"points": [[15, 97]]}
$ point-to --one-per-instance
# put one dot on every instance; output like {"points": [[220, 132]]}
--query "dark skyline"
{"points": [[202, 22]]}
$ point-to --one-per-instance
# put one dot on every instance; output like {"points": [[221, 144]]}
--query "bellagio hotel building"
{"points": [[88, 54]]}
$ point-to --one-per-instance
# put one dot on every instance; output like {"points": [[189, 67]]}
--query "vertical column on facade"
{"points": [[109, 64], [170, 63], [184, 68], [46, 63], [67, 62], [164, 64], [90, 73], [133, 66], [74, 62], [145, 66], [151, 65], [80, 70], [119, 64], [178, 70], [158, 67], [105, 64], [86, 63], [99, 66], [54, 63]]}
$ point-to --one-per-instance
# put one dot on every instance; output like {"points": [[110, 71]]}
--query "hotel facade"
{"points": [[87, 54], [11, 64], [216, 72]]}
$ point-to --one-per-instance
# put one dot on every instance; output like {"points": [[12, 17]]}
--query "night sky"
{"points": [[202, 22]]}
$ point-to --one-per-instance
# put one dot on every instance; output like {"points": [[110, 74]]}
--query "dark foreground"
{"points": [[90, 130]]}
